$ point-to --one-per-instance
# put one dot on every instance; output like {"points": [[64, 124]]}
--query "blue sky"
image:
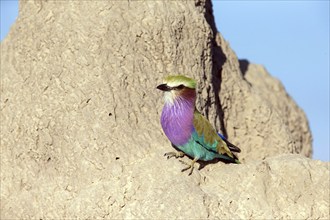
{"points": [[290, 38]]}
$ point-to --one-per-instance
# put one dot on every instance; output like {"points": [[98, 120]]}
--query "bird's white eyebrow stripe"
{"points": [[171, 84]]}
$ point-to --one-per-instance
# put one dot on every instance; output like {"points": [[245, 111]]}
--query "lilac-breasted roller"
{"points": [[187, 129]]}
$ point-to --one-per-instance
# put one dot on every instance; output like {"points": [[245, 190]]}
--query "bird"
{"points": [[189, 132]]}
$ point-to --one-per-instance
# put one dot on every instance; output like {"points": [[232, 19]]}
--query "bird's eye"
{"points": [[180, 87]]}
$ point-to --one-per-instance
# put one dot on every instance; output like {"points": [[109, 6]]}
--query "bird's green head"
{"points": [[177, 82], [176, 86]]}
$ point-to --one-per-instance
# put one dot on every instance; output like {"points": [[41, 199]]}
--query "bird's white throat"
{"points": [[169, 97]]}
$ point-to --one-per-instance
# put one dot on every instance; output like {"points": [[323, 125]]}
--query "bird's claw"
{"points": [[185, 163], [174, 154], [189, 166]]}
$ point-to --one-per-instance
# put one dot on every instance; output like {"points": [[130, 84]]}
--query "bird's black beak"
{"points": [[164, 87]]}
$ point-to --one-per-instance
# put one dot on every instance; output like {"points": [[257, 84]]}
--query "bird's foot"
{"points": [[174, 154], [189, 166]]}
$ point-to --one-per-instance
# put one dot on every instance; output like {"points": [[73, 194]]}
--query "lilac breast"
{"points": [[177, 121]]}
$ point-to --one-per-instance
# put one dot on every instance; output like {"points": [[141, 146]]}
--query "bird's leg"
{"points": [[189, 166], [174, 154]]}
